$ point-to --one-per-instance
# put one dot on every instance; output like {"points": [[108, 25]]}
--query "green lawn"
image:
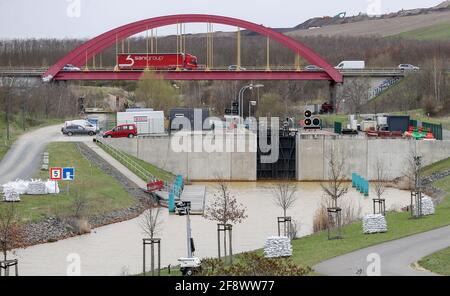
{"points": [[153, 170], [436, 167], [438, 262], [104, 193], [436, 32]]}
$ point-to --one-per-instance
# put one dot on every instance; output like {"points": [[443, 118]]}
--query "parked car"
{"points": [[313, 68], [71, 130], [122, 131], [408, 67], [236, 68], [81, 122], [70, 67]]}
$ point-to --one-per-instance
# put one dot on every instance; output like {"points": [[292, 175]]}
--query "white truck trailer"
{"points": [[351, 65], [146, 121]]}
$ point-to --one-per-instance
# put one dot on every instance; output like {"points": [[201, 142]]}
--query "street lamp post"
{"points": [[241, 98], [250, 104]]}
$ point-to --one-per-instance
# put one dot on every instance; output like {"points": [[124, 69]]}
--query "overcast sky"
{"points": [[88, 18]]}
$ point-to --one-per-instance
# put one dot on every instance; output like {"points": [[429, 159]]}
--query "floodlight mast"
{"points": [[187, 207]]}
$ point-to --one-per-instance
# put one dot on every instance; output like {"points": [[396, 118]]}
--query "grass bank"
{"points": [[436, 32], [102, 192], [151, 169], [438, 262], [316, 248], [439, 166]]}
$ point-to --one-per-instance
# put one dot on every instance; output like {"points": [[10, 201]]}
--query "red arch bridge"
{"points": [[87, 51]]}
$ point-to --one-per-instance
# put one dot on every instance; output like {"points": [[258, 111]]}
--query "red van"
{"points": [[122, 131]]}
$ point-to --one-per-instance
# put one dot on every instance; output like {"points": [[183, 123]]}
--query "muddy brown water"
{"points": [[117, 249]]}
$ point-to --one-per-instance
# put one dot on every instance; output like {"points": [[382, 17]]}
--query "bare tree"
{"points": [[225, 209], [381, 178], [355, 93], [284, 195], [9, 231], [335, 188], [412, 170], [151, 222]]}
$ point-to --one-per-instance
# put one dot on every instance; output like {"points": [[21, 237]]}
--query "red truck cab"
{"points": [[122, 131]]}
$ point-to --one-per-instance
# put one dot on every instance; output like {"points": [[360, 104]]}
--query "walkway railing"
{"points": [[126, 160]]}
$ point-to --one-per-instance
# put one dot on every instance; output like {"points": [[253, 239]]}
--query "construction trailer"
{"points": [[146, 121]]}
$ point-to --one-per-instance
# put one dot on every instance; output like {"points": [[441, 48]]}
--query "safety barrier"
{"points": [[361, 184], [176, 191]]}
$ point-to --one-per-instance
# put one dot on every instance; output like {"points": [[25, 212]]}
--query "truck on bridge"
{"points": [[157, 61]]}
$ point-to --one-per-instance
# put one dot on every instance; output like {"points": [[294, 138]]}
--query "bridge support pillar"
{"points": [[334, 93]]}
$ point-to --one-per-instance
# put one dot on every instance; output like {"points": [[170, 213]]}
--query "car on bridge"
{"points": [[408, 67], [71, 130], [312, 68], [236, 68], [70, 67]]}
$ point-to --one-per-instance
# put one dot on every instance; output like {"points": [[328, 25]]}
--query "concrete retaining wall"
{"points": [[361, 156], [201, 164]]}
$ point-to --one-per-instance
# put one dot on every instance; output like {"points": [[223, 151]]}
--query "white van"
{"points": [[82, 122], [351, 65]]}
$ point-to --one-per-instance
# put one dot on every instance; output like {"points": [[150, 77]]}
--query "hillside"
{"points": [[437, 32], [379, 27]]}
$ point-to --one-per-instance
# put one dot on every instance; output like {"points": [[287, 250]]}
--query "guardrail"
{"points": [[132, 164], [128, 161]]}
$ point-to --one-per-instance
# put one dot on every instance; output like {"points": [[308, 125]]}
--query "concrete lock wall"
{"points": [[235, 159], [361, 156]]}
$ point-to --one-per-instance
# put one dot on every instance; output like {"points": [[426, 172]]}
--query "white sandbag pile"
{"points": [[52, 187], [20, 186], [10, 193], [427, 206], [33, 187], [277, 246], [36, 187], [374, 223]]}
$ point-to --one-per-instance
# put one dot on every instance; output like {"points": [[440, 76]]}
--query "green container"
{"points": [[338, 127], [436, 129]]}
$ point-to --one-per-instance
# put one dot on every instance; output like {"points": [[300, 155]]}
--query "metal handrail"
{"points": [[130, 162], [147, 175]]}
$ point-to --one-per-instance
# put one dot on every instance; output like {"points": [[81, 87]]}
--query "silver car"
{"points": [[70, 67], [408, 67], [236, 68]]}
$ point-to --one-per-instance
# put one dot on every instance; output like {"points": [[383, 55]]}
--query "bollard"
{"points": [[171, 202]]}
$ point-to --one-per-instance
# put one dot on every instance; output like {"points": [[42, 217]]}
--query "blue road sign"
{"points": [[68, 174]]}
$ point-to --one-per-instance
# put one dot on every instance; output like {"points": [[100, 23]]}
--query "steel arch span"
{"points": [[80, 55]]}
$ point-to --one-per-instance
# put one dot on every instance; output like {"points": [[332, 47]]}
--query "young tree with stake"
{"points": [[226, 210]]}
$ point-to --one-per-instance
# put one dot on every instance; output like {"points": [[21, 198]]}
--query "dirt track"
{"points": [[384, 27]]}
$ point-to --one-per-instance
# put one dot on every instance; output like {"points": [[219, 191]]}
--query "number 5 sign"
{"points": [[55, 174]]}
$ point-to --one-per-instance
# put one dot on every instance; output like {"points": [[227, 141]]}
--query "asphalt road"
{"points": [[25, 155], [395, 257]]}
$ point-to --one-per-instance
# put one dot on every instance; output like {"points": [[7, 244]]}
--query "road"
{"points": [[396, 256], [25, 155]]}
